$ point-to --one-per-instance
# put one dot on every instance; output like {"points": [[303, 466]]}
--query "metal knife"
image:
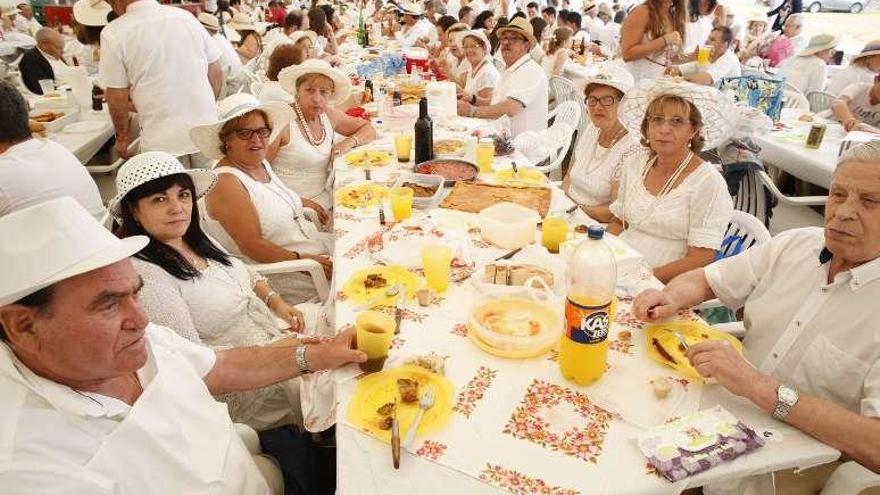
{"points": [[395, 439], [508, 255], [398, 309]]}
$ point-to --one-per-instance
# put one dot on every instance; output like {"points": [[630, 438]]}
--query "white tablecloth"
{"points": [[785, 149], [86, 144], [482, 449]]}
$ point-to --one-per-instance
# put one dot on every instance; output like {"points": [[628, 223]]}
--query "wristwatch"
{"points": [[301, 365], [786, 398]]}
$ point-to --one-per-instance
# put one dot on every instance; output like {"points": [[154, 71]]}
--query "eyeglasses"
{"points": [[470, 46], [674, 122], [245, 134], [512, 39], [605, 101]]}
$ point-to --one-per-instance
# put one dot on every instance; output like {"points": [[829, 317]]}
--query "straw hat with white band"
{"points": [[818, 43], [718, 112], [341, 84], [590, 5], [242, 22], [63, 240], [757, 17], [611, 74], [209, 21], [91, 12], [152, 165], [207, 137], [872, 48], [521, 27], [478, 34], [411, 8]]}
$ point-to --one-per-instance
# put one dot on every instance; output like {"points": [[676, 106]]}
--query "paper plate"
{"points": [[524, 176], [375, 390], [367, 158], [394, 274], [353, 196], [693, 332]]}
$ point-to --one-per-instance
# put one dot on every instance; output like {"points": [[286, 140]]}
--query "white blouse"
{"points": [[486, 77], [596, 167], [695, 213], [305, 168]]}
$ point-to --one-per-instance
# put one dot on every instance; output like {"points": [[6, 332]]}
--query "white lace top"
{"points": [[305, 168], [695, 213], [596, 167]]}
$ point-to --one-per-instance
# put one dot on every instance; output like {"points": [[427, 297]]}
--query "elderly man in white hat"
{"points": [[159, 58], [415, 25], [810, 300], [522, 91], [808, 71], [88, 383]]}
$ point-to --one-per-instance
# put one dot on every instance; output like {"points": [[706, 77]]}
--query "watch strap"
{"points": [[301, 364], [786, 398]]}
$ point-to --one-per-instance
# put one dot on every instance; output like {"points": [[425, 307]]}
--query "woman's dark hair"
{"points": [[446, 22], [293, 20], [14, 126], [518, 14], [157, 252], [480, 21], [538, 25], [328, 12], [284, 56], [317, 20], [493, 36], [87, 35]]}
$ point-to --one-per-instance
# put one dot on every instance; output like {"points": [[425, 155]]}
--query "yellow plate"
{"points": [[353, 196], [525, 176], [373, 391], [693, 332], [394, 274], [503, 353], [365, 158]]}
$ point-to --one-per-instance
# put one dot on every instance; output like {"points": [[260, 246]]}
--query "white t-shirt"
{"points": [[805, 73], [851, 74], [526, 83], [727, 65], [860, 103], [38, 170], [229, 58], [161, 54], [486, 77]]}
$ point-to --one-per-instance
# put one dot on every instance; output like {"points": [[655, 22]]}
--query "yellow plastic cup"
{"points": [[485, 154], [374, 332], [401, 202], [703, 54], [403, 147], [436, 261], [553, 233]]}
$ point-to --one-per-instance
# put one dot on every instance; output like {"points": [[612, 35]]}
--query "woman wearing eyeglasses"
{"points": [[481, 78], [670, 205], [590, 182], [250, 211]]}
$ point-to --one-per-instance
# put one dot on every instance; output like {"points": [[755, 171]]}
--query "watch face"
{"points": [[787, 395]]}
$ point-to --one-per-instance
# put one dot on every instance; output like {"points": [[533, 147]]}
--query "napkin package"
{"points": [[697, 442], [441, 99]]}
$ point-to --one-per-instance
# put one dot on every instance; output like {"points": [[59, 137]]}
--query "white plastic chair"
{"points": [[110, 168], [562, 90], [849, 478], [794, 99], [567, 113], [820, 101]]}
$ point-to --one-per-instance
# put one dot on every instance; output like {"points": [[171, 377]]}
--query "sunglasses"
{"points": [[245, 133]]}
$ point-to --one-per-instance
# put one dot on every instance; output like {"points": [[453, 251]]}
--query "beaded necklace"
{"points": [[306, 129]]}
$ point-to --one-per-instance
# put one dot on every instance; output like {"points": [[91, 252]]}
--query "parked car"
{"points": [[854, 6]]}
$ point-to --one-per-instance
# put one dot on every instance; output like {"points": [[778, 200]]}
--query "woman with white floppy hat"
{"points": [[605, 145], [250, 211], [863, 68], [482, 76], [250, 45], [809, 69], [193, 287], [671, 205], [305, 157]]}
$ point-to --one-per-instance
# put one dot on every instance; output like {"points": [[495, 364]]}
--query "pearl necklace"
{"points": [[305, 127]]}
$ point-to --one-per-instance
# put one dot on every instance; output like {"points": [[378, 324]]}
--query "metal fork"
{"points": [[425, 403]]}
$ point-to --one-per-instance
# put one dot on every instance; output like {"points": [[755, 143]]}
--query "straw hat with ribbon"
{"points": [[718, 112], [818, 43], [341, 84], [152, 165], [209, 21], [611, 74], [521, 27], [871, 48], [207, 137], [590, 5], [62, 240], [91, 12], [241, 22]]}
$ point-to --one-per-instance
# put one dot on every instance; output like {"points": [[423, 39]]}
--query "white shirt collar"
{"points": [[860, 276], [49, 58], [519, 63]]}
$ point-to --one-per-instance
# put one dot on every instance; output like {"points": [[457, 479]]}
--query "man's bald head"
{"points": [[50, 41]]}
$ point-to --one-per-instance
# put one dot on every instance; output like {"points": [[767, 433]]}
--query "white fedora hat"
{"points": [[91, 12], [818, 43], [241, 22], [152, 165], [207, 137], [53, 241], [718, 112], [341, 84], [611, 74], [210, 21]]}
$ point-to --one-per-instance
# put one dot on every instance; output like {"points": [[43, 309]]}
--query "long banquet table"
{"points": [[517, 425]]}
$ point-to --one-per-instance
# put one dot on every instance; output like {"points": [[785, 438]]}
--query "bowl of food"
{"points": [[427, 189], [452, 170], [515, 324], [449, 148]]}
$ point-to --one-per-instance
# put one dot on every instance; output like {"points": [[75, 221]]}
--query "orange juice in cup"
{"points": [[485, 154], [436, 261], [703, 54], [554, 231], [401, 202], [403, 147]]}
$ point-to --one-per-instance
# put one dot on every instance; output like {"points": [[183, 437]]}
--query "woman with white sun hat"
{"points": [[808, 71], [250, 211], [863, 68], [671, 205], [306, 150]]}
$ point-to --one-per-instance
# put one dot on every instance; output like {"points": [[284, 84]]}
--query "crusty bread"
{"points": [[504, 274]]}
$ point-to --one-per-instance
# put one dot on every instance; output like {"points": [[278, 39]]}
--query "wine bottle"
{"points": [[424, 134]]}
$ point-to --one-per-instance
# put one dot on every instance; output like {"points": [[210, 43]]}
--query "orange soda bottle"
{"points": [[592, 276]]}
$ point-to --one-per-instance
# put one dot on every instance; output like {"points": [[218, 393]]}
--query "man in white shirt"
{"points": [[722, 61], [808, 71], [521, 94], [811, 318], [96, 399], [24, 22], [415, 26], [35, 170], [590, 22], [858, 107], [161, 59]]}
